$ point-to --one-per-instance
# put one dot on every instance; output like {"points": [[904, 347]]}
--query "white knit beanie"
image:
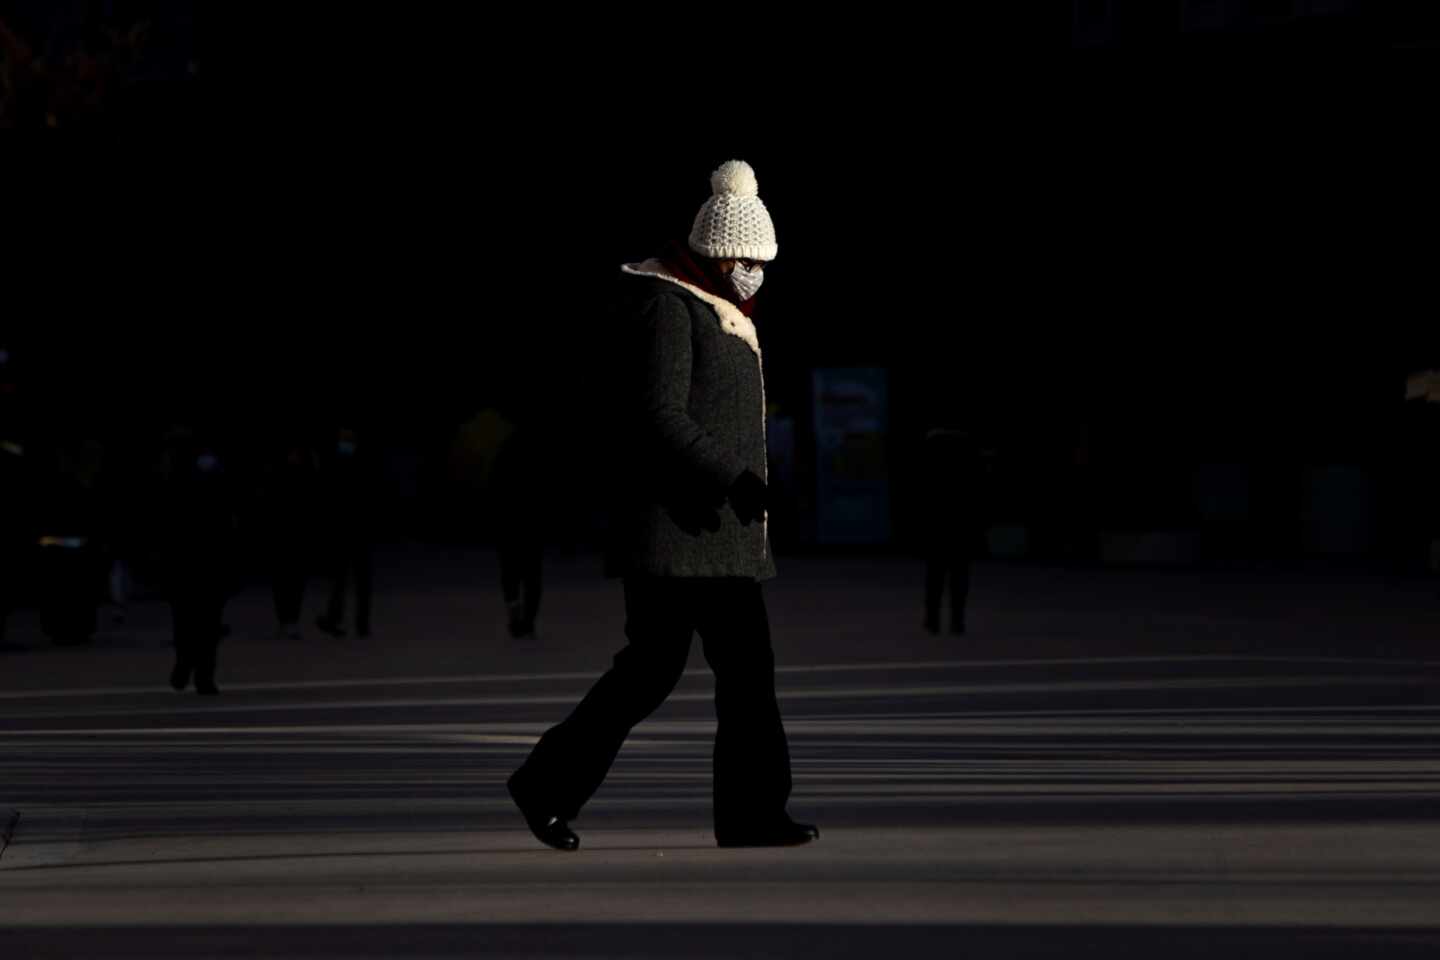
{"points": [[734, 224]]}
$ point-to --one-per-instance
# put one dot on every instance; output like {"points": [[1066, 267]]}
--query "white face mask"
{"points": [[746, 283]]}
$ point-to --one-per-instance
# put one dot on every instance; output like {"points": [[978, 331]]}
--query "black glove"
{"points": [[749, 496]]}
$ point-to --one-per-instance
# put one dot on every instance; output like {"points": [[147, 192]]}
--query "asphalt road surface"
{"points": [[1109, 765]]}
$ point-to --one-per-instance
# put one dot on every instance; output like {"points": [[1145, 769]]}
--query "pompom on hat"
{"points": [[734, 224]]}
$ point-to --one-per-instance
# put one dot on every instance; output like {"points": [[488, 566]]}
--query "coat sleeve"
{"points": [[666, 397]]}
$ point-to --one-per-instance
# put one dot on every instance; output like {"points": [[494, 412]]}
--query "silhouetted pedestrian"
{"points": [[200, 548], [347, 506], [517, 488], [693, 545], [952, 523]]}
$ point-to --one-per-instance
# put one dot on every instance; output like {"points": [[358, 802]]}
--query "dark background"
{"points": [[1189, 248]]}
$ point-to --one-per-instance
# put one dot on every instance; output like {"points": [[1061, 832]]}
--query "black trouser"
{"points": [[943, 563], [351, 556], [197, 611], [288, 584], [751, 759], [520, 570]]}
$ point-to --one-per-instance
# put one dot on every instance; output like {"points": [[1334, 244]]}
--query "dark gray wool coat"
{"points": [[691, 399]]}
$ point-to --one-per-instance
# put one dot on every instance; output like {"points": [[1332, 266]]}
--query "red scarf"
{"points": [[682, 264]]}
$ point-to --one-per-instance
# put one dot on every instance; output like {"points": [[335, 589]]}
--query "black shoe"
{"points": [[932, 627], [332, 627], [551, 831], [206, 688], [957, 629], [180, 677], [787, 833]]}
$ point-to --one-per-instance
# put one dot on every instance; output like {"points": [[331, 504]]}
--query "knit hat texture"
{"points": [[734, 224]]}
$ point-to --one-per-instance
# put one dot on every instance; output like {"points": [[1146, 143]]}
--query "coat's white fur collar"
{"points": [[732, 321]]}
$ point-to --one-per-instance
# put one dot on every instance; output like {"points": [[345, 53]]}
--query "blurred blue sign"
{"points": [[852, 482]]}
